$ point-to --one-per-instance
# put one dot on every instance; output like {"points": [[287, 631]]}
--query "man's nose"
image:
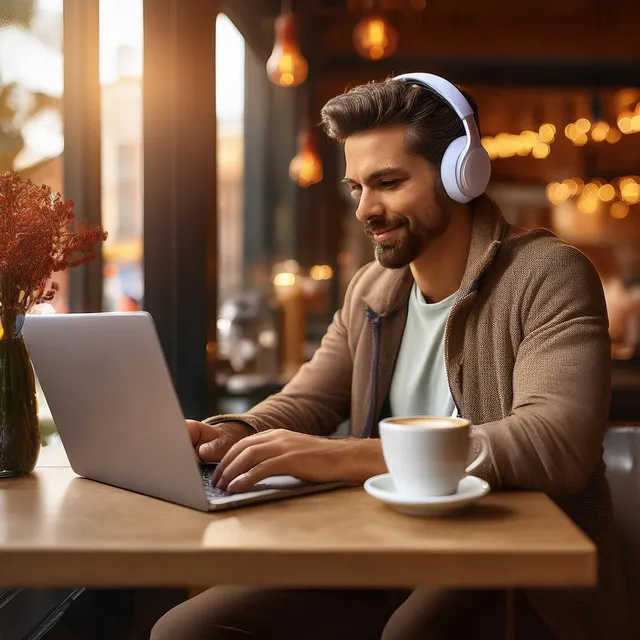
{"points": [[369, 206]]}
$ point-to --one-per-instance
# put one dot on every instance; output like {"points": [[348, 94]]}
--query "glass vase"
{"points": [[19, 425]]}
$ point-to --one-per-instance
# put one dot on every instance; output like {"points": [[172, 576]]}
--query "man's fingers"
{"points": [[248, 479], [249, 441], [194, 431], [230, 455], [244, 461], [213, 450]]}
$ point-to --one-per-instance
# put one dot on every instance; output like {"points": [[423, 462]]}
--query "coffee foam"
{"points": [[431, 423]]}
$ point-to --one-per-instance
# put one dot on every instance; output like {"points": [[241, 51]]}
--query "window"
{"points": [[121, 142], [31, 85], [129, 218], [230, 79], [31, 130]]}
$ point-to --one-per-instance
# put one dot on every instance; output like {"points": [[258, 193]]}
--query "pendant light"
{"points": [[286, 66], [306, 167], [374, 37]]}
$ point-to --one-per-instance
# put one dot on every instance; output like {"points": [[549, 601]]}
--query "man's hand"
{"points": [[213, 441], [311, 458]]}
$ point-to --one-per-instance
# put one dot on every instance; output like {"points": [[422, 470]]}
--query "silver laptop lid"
{"points": [[112, 399]]}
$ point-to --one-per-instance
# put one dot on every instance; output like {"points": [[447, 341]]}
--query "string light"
{"points": [[630, 193], [613, 136], [588, 205], [321, 272], [580, 140], [507, 145], [599, 131], [606, 193], [547, 133], [619, 194], [583, 125], [624, 122], [619, 210], [629, 121], [541, 150]]}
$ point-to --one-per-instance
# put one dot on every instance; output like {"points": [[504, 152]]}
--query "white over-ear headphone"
{"points": [[466, 167]]}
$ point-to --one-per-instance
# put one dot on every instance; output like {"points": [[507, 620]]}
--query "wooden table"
{"points": [[57, 529]]}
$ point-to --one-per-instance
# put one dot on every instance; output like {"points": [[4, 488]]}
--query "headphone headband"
{"points": [[445, 89], [465, 167]]}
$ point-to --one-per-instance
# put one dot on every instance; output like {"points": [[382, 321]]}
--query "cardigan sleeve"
{"points": [[318, 398], [552, 439]]}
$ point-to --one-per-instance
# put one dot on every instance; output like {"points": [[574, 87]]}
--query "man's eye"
{"points": [[355, 193], [389, 184]]}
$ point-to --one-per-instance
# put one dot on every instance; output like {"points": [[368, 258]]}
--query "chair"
{"points": [[622, 456]]}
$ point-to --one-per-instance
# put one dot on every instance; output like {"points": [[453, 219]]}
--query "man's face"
{"points": [[397, 199]]}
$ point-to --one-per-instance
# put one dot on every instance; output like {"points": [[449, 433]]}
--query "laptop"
{"points": [[112, 399]]}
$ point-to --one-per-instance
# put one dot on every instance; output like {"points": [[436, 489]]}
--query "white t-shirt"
{"points": [[420, 385]]}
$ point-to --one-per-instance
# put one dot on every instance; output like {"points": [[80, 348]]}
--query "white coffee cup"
{"points": [[427, 456]]}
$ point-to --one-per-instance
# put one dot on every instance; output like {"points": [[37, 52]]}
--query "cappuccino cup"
{"points": [[427, 456]]}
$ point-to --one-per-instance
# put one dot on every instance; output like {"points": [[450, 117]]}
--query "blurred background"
{"points": [[189, 130]]}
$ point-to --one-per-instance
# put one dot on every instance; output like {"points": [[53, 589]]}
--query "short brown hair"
{"points": [[432, 123]]}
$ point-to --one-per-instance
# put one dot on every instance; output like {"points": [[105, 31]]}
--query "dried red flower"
{"points": [[36, 239]]}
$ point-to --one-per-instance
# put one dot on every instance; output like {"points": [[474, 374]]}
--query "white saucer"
{"points": [[470, 490]]}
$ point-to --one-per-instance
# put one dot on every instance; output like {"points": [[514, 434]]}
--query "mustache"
{"points": [[382, 224]]}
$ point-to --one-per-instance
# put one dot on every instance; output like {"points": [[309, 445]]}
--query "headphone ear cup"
{"points": [[474, 172], [449, 170]]}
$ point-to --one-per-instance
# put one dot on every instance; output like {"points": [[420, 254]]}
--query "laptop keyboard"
{"points": [[212, 492], [272, 484]]}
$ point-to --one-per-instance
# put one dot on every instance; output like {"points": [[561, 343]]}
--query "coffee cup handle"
{"points": [[484, 443]]}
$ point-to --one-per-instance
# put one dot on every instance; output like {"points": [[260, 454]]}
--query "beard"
{"points": [[414, 237]]}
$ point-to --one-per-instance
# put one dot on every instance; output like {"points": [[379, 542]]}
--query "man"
{"points": [[460, 313]]}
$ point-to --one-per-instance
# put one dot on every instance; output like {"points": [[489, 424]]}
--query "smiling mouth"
{"points": [[385, 234]]}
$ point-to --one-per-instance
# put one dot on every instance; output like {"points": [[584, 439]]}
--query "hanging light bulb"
{"points": [[374, 37], [286, 66], [306, 167]]}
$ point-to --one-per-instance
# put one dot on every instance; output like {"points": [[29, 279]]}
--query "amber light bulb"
{"points": [[375, 38], [286, 66], [306, 167]]}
